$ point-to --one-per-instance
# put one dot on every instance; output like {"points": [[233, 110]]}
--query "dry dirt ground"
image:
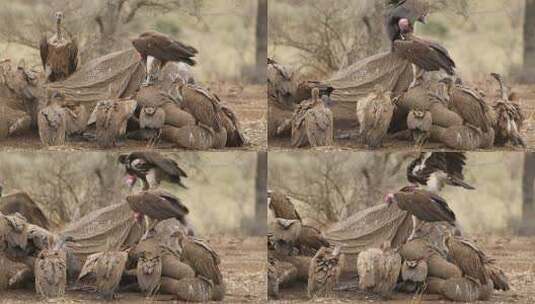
{"points": [[515, 255], [243, 263], [249, 102], [527, 102]]}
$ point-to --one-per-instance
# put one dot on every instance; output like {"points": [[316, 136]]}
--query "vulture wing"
{"points": [[73, 56], [164, 48], [43, 50], [172, 203], [167, 165], [425, 206], [203, 259], [319, 127], [427, 55], [469, 258], [471, 107], [282, 207], [202, 104], [428, 163]]}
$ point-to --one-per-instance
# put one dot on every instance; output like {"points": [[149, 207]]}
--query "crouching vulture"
{"points": [[153, 45], [59, 54], [158, 205], [434, 170], [151, 168]]}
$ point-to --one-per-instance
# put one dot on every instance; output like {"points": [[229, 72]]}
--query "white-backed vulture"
{"points": [[201, 257], [324, 272], [419, 124], [59, 54], [374, 114], [469, 258]]}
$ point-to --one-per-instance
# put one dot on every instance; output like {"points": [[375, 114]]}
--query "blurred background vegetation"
{"points": [[220, 195], [329, 187], [322, 36], [223, 31]]}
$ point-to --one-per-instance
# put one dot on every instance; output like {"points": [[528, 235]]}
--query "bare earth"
{"points": [[515, 255], [527, 103], [243, 263], [249, 102]]}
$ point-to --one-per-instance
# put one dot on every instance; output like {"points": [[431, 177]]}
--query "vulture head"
{"points": [[133, 172], [59, 17], [390, 199]]}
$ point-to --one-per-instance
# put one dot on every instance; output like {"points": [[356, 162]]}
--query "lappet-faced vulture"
{"points": [[424, 205], [59, 54], [151, 167], [426, 55], [401, 12], [434, 170], [158, 205], [156, 45]]}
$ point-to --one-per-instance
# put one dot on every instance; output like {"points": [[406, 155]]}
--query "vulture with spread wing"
{"points": [[434, 170], [59, 54], [163, 48], [151, 168], [158, 205], [424, 54]]}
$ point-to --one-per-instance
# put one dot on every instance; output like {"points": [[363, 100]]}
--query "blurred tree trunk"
{"points": [[261, 40], [529, 42], [528, 195], [261, 192]]}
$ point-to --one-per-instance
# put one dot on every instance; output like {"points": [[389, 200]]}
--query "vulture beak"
{"points": [[138, 217], [389, 199]]}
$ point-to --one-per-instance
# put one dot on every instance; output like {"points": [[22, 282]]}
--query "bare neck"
{"points": [[58, 29]]}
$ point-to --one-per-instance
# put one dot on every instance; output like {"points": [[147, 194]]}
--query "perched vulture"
{"points": [[163, 48], [324, 272], [401, 12], [201, 257], [52, 125], [149, 267], [419, 124], [59, 54], [509, 117], [281, 206], [434, 170], [151, 168], [424, 205], [425, 55], [312, 122], [469, 104], [203, 105], [51, 271], [470, 259], [158, 205], [374, 114]]}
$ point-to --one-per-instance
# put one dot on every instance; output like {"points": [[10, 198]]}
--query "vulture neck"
{"points": [[58, 29]]}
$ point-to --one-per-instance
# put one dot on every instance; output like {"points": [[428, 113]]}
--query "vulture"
{"points": [[304, 90], [235, 137], [469, 104], [153, 45], [203, 105], [424, 205], [151, 168], [509, 117], [286, 231], [434, 170], [51, 271], [149, 267], [414, 274], [59, 54], [374, 114], [404, 12], [152, 115], [109, 269], [424, 54], [419, 123], [158, 205], [281, 84], [470, 259], [22, 203], [378, 269], [281, 206], [310, 240], [312, 122], [201, 257], [52, 125], [324, 272], [110, 117]]}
